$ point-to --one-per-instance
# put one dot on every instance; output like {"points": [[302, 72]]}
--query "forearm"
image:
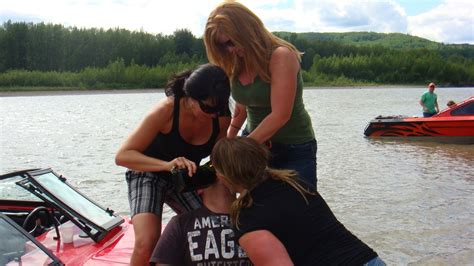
{"points": [[137, 161], [268, 127], [263, 248], [233, 131], [237, 121], [235, 126]]}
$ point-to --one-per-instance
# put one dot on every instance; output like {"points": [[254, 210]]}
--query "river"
{"points": [[410, 201]]}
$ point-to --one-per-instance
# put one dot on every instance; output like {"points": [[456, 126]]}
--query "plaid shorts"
{"points": [[147, 192]]}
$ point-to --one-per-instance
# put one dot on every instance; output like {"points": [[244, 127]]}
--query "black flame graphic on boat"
{"points": [[405, 129]]}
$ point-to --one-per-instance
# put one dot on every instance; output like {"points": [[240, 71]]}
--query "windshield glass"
{"points": [[467, 109], [17, 249], [73, 199], [10, 191]]}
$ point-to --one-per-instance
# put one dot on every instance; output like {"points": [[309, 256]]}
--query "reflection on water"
{"points": [[411, 201], [9, 190]]}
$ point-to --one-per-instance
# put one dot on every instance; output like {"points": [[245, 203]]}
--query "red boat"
{"points": [[454, 124], [37, 207]]}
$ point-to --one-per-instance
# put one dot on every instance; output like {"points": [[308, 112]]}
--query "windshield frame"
{"points": [[55, 260], [92, 229]]}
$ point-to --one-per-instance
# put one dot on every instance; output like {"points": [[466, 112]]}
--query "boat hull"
{"points": [[454, 129], [453, 124]]}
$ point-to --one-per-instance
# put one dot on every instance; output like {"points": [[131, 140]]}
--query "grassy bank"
{"points": [[118, 76], [39, 89], [14, 91], [66, 89]]}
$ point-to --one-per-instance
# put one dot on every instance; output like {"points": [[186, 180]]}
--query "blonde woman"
{"points": [[267, 86], [277, 221]]}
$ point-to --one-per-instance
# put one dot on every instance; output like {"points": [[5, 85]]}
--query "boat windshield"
{"points": [[93, 219], [467, 109], [72, 198], [18, 248], [10, 191]]}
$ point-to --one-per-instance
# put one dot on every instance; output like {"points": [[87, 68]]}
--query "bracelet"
{"points": [[236, 127]]}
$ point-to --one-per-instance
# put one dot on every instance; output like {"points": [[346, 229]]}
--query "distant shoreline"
{"points": [[150, 90], [74, 92]]}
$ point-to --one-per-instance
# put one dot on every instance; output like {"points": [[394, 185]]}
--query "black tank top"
{"points": [[169, 146]]}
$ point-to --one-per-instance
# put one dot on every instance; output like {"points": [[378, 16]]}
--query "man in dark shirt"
{"points": [[203, 236]]}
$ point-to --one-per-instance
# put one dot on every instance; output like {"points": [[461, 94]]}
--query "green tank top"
{"points": [[256, 98]]}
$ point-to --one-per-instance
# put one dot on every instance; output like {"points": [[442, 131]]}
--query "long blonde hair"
{"points": [[243, 163], [247, 31]]}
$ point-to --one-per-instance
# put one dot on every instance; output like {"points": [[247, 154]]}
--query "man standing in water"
{"points": [[429, 101]]}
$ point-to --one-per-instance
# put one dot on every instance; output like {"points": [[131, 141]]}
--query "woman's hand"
{"points": [[182, 163]]}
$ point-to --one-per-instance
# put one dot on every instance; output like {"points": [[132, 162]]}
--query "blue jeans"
{"points": [[428, 114], [298, 157], [375, 262]]}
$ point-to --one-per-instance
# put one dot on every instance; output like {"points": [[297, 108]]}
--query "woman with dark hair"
{"points": [[276, 220], [178, 132], [267, 85]]}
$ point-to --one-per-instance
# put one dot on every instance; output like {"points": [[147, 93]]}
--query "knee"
{"points": [[144, 245]]}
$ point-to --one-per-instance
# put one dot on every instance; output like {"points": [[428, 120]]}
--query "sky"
{"points": [[446, 21]]}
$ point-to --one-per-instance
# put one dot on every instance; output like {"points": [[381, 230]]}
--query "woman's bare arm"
{"points": [[284, 67], [263, 248], [131, 155]]}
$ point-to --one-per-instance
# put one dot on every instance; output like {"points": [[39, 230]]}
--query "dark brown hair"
{"points": [[206, 82]]}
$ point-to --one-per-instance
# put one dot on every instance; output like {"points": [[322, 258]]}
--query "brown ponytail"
{"points": [[242, 163], [244, 200]]}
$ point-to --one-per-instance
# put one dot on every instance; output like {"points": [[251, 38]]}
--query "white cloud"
{"points": [[346, 15], [151, 16], [450, 22]]}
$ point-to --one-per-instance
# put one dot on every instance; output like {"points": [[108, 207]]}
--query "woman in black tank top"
{"points": [[178, 132], [276, 220]]}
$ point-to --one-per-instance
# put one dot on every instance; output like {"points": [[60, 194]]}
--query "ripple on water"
{"points": [[410, 201]]}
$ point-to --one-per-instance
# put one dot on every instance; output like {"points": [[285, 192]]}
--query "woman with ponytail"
{"points": [[178, 132], [276, 220]]}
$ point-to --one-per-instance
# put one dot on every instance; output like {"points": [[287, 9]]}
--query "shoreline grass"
{"points": [[307, 85], [38, 91]]}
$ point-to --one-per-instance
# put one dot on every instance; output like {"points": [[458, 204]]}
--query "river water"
{"points": [[410, 201]]}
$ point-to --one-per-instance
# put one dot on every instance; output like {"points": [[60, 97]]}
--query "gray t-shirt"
{"points": [[199, 237]]}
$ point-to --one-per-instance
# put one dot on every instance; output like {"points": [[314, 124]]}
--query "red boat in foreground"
{"points": [[455, 124], [46, 221]]}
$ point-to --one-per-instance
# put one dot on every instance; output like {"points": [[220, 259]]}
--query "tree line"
{"points": [[39, 54]]}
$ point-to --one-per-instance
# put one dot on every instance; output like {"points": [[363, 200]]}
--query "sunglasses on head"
{"points": [[228, 44]]}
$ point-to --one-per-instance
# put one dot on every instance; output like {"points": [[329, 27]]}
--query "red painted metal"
{"points": [[115, 249], [443, 125]]}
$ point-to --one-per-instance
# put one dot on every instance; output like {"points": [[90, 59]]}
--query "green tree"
{"points": [[184, 42]]}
